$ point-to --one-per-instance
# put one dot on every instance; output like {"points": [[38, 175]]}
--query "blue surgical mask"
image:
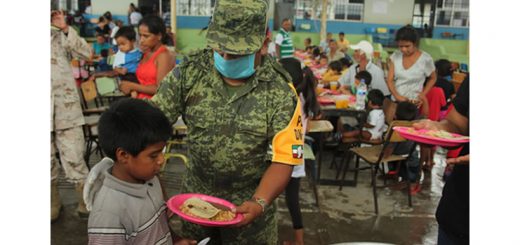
{"points": [[242, 67]]}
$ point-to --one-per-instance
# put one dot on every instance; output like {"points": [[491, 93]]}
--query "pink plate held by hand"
{"points": [[425, 136], [175, 203]]}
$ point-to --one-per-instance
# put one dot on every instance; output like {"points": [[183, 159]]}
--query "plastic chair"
{"points": [[375, 155]]}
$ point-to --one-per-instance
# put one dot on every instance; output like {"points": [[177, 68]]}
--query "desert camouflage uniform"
{"points": [[66, 114]]}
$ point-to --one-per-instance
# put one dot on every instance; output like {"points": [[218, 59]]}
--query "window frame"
{"points": [[443, 6]]}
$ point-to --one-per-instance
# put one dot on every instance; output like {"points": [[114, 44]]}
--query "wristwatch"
{"points": [[260, 201]]}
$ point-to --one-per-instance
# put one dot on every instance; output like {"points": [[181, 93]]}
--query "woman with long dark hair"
{"points": [[304, 83], [156, 62]]}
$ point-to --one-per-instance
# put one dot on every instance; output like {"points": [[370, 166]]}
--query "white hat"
{"points": [[364, 46]]}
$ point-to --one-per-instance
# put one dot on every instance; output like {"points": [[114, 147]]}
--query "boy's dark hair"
{"points": [[443, 67], [324, 56], [127, 32], [132, 125], [336, 66], [376, 96], [316, 51], [345, 62], [341, 33], [406, 111], [364, 76], [407, 33]]}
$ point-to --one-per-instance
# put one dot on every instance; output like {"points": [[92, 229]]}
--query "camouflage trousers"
{"points": [[70, 144], [263, 230]]}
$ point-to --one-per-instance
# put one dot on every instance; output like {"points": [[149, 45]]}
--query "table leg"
{"points": [[320, 152]]}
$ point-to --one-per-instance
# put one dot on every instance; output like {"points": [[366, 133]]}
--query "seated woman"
{"points": [[157, 61]]}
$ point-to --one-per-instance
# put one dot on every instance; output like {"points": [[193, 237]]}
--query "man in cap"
{"points": [[363, 57], [244, 122]]}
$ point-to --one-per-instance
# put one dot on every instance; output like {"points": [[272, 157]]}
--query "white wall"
{"points": [[397, 12], [116, 7]]}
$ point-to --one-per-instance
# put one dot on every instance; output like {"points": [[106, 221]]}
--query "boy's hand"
{"points": [[184, 241], [58, 20]]}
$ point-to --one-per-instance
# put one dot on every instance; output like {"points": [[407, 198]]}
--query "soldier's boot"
{"points": [[82, 209], [55, 201]]}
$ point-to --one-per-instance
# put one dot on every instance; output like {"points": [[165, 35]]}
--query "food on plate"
{"points": [[199, 208], [437, 134]]}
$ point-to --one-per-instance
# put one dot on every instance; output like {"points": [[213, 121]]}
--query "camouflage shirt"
{"points": [[229, 136], [65, 103]]}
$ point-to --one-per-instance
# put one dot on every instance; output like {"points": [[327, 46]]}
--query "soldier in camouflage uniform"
{"points": [[244, 128], [66, 114]]}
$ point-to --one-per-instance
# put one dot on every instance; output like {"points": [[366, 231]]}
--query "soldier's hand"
{"points": [[58, 20], [250, 210]]}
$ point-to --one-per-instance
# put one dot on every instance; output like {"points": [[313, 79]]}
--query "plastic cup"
{"points": [[342, 102], [333, 85], [319, 88]]}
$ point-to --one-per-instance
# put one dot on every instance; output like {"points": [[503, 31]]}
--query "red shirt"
{"points": [[147, 72]]}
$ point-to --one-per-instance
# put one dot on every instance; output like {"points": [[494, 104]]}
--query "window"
{"points": [[195, 7], [453, 13], [421, 17], [351, 10]]}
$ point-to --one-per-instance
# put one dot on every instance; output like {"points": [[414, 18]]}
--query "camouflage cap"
{"points": [[238, 26]]}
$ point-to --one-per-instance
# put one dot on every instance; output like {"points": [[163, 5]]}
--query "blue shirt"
{"points": [[128, 60], [98, 47]]}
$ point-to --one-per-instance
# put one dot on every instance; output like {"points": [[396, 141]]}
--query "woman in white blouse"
{"points": [[411, 75], [408, 69]]}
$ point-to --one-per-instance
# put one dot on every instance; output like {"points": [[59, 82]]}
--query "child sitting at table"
{"points": [[126, 59], [345, 64], [99, 45], [406, 111], [122, 192], [333, 73], [360, 76], [375, 125], [103, 62]]}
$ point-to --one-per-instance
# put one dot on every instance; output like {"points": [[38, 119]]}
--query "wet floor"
{"points": [[343, 216]]}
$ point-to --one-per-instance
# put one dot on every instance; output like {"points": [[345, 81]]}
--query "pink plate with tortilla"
{"points": [[424, 136], [175, 202]]}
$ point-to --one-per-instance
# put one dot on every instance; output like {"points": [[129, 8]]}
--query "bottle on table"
{"points": [[361, 93]]}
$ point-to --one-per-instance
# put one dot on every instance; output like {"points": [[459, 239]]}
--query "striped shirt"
{"points": [[283, 39], [127, 213]]}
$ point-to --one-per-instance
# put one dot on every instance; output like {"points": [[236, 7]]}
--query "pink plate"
{"points": [[430, 140], [176, 201]]}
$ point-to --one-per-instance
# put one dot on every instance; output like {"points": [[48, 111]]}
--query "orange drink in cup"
{"points": [[342, 102], [319, 88], [333, 85]]}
